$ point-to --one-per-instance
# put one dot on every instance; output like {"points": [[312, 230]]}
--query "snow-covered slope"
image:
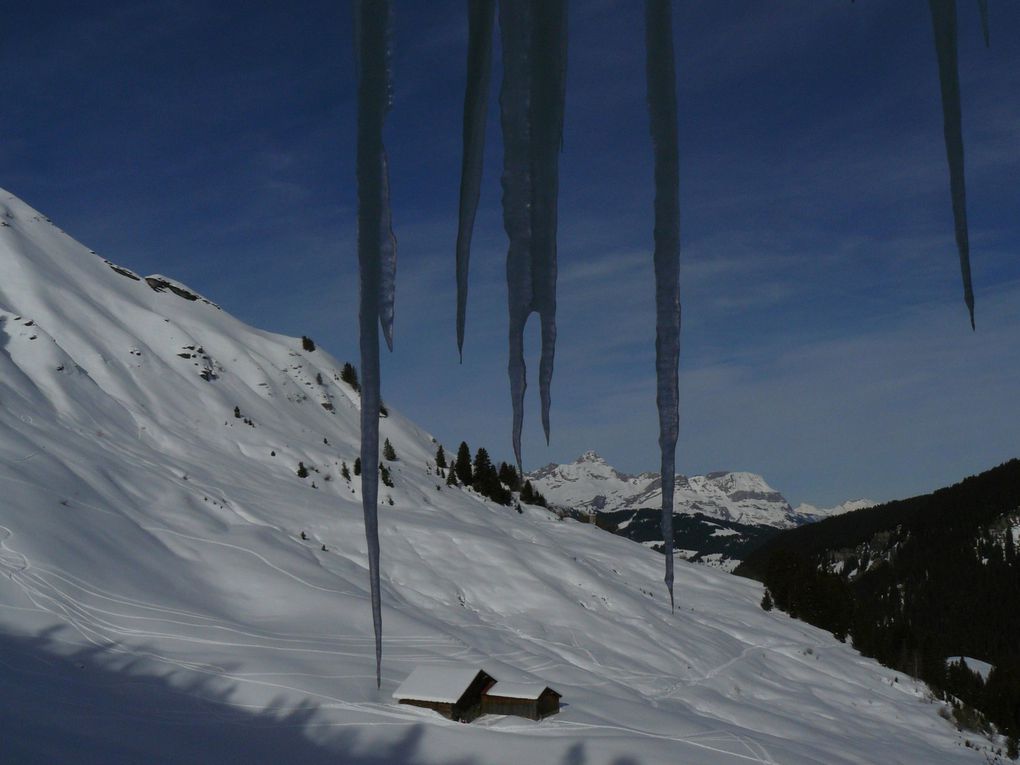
{"points": [[591, 483], [158, 602]]}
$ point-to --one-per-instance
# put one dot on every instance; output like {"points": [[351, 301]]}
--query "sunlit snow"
{"points": [[158, 602]]}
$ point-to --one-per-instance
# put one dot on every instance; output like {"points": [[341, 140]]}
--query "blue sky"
{"points": [[824, 344]]}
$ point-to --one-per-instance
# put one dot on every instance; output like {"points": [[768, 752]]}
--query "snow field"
{"points": [[152, 539]]}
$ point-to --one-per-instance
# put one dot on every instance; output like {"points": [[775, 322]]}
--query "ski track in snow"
{"points": [[67, 597], [98, 628]]}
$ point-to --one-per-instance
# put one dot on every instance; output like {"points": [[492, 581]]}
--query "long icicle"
{"points": [[983, 8], [662, 109], [943, 18], [548, 88], [481, 18], [387, 258], [376, 255], [515, 107]]}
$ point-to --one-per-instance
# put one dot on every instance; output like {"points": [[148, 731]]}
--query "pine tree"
{"points": [[451, 478], [345, 472], [766, 601], [307, 343], [528, 493], [440, 457], [482, 465], [357, 466], [384, 475], [302, 471], [532, 497], [237, 412], [508, 476], [350, 376], [388, 452], [463, 464]]}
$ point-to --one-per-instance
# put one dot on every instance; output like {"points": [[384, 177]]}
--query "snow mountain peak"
{"points": [[590, 483]]}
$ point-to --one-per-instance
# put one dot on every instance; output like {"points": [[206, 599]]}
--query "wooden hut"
{"points": [[531, 700], [453, 691]]}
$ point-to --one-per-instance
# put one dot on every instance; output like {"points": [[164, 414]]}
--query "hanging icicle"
{"points": [[481, 19], [548, 89], [515, 108], [377, 264], [534, 37], [943, 17], [983, 7], [661, 77]]}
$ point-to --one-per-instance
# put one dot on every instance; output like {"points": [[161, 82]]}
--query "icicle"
{"points": [[548, 86], [376, 260], [661, 77], [943, 17], [387, 259], [983, 7], [534, 34], [514, 103], [481, 17]]}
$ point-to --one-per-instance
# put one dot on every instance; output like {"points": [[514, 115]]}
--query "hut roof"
{"points": [[441, 684], [529, 691]]}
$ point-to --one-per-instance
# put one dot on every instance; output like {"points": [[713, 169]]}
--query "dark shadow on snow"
{"points": [[78, 709]]}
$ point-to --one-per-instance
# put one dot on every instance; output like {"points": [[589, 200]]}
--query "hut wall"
{"points": [[469, 706], [446, 710], [503, 705], [548, 704]]}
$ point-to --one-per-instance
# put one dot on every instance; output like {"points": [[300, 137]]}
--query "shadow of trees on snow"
{"points": [[78, 708]]}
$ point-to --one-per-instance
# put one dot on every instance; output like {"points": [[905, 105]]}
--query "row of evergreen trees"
{"points": [[498, 484]]}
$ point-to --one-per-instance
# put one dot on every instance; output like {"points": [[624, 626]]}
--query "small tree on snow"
{"points": [[384, 475], [463, 464], [508, 476], [388, 451], [350, 376]]}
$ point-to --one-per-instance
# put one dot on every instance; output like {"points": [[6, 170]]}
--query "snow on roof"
{"points": [[443, 684], [517, 690]]}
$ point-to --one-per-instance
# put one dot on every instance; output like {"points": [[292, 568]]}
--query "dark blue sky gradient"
{"points": [[825, 342]]}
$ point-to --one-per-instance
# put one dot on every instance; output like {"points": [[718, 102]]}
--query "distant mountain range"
{"points": [[719, 517]]}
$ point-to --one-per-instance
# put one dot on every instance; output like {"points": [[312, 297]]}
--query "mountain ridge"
{"points": [[589, 483]]}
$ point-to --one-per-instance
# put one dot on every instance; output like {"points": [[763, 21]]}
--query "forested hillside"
{"points": [[915, 581]]}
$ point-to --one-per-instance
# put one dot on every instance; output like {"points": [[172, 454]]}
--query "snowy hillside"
{"points": [[158, 603], [591, 483]]}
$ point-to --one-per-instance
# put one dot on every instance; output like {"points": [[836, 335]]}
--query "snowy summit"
{"points": [[590, 483]]}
